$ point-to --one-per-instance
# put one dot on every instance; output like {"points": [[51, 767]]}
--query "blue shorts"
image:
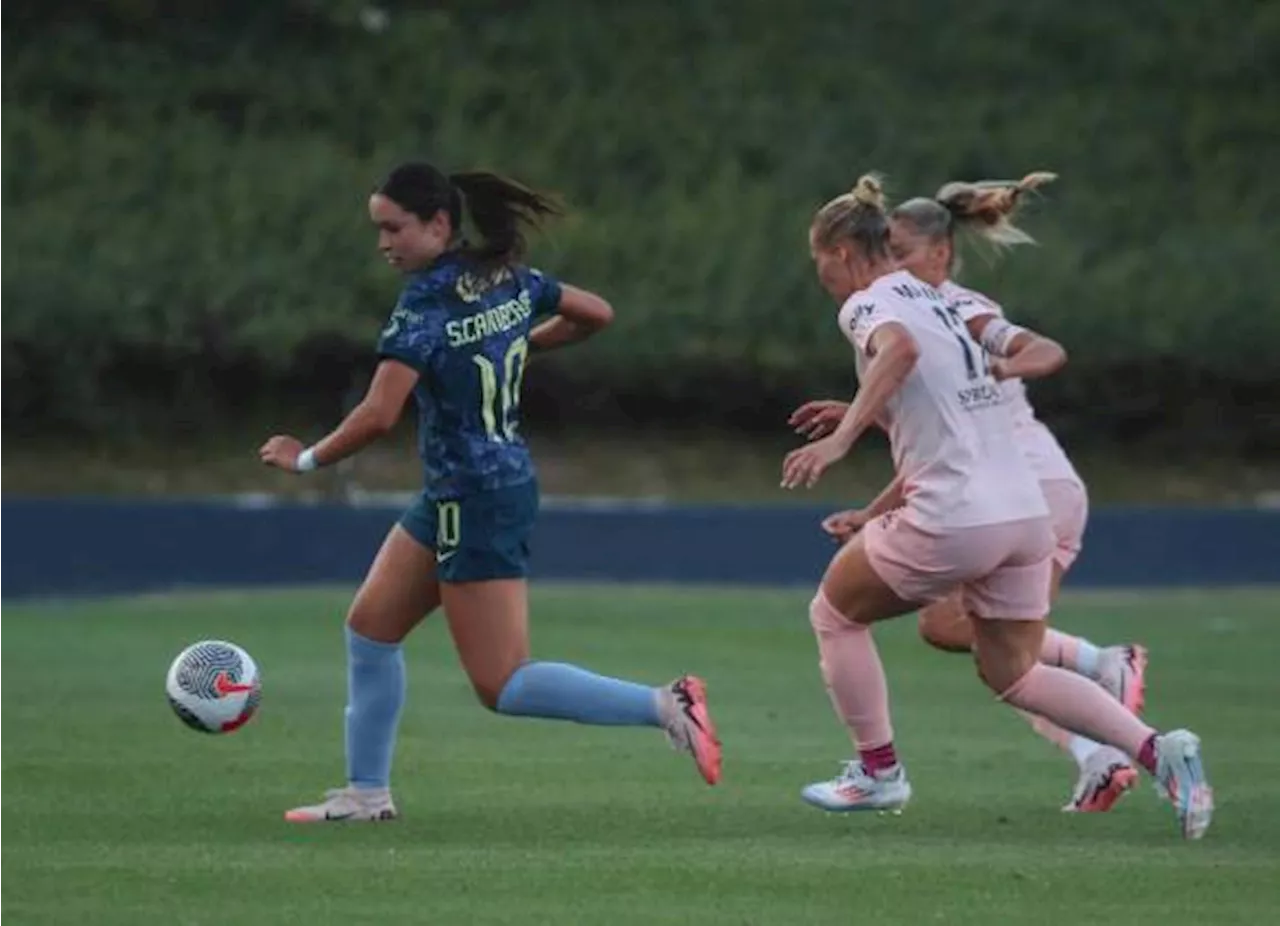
{"points": [[476, 537]]}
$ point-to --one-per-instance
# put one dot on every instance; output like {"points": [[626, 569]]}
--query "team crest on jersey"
{"points": [[472, 287]]}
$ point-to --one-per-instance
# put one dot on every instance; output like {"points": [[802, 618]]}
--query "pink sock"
{"points": [[1074, 702], [855, 678], [1050, 731]]}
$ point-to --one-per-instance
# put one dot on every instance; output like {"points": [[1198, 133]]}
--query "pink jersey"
{"points": [[949, 424], [1045, 454]]}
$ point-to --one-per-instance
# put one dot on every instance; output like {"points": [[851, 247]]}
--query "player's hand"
{"points": [[281, 451], [818, 418], [999, 368], [803, 467], [842, 525]]}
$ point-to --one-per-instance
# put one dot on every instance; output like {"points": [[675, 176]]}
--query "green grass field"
{"points": [[119, 814]]}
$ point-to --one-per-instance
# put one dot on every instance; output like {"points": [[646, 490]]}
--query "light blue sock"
{"points": [[375, 694], [1087, 659], [565, 692]]}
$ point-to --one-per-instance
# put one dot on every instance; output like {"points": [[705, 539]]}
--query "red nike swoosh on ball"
{"points": [[223, 685]]}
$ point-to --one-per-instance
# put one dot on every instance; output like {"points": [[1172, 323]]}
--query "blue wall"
{"points": [[85, 546]]}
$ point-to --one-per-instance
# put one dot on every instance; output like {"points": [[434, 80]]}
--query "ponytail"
{"points": [[986, 208], [501, 210]]}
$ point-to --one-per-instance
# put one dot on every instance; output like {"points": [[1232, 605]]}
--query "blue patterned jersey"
{"points": [[465, 330]]}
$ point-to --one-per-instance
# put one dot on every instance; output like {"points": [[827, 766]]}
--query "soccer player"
{"points": [[468, 316], [972, 518], [922, 240]]}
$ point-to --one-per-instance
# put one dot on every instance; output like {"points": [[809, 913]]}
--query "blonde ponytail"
{"points": [[986, 208]]}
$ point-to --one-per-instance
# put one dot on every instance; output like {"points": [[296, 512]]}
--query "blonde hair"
{"points": [[858, 216], [987, 207]]}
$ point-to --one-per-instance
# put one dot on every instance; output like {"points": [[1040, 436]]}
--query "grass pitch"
{"points": [[119, 814]]}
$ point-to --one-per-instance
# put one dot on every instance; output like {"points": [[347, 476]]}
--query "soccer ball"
{"points": [[213, 686]]}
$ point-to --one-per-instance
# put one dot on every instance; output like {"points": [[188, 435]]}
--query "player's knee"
{"points": [[950, 636], [984, 676], [368, 622], [826, 618], [489, 687], [1000, 671], [488, 693], [363, 620]]}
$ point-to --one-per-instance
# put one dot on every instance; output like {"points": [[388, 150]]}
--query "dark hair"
{"points": [[499, 208], [857, 216]]}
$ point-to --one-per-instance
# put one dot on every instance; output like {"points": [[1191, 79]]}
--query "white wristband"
{"points": [[998, 335], [307, 461]]}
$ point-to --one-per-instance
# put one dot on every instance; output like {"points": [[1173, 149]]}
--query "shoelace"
{"points": [[854, 772]]}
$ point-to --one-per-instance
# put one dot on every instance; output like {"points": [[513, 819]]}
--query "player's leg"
{"points": [[944, 625], [1119, 669], [1105, 774], [486, 601], [853, 595], [1009, 635], [398, 592]]}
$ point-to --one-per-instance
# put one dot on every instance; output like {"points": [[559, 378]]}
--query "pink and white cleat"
{"points": [[1106, 776], [689, 726], [1122, 671], [856, 788], [346, 804]]}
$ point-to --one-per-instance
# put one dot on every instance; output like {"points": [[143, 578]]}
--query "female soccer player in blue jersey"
{"points": [[458, 339]]}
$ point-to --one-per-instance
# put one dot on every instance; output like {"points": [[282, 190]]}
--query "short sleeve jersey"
{"points": [[950, 426], [465, 329]]}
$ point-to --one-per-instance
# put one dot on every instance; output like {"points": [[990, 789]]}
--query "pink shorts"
{"points": [[1069, 510], [1002, 569]]}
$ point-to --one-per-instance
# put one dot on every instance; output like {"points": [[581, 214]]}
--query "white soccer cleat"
{"points": [[1106, 776], [1122, 671], [1181, 775], [858, 789], [346, 804]]}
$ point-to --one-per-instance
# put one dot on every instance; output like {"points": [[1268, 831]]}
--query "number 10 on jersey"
{"points": [[500, 399]]}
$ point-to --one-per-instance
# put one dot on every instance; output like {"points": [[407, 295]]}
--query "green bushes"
{"points": [[189, 196]]}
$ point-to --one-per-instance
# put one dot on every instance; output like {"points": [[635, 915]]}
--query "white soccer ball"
{"points": [[213, 686]]}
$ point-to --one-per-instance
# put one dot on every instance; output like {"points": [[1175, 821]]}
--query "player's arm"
{"points": [[579, 315], [376, 414], [893, 354], [1020, 352]]}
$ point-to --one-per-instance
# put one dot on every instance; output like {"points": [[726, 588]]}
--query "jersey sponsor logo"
{"points": [[980, 396], [860, 311]]}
